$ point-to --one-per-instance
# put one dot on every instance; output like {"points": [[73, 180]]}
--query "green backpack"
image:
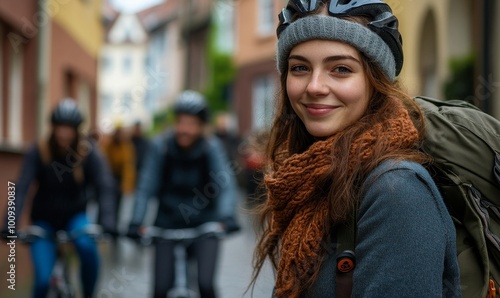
{"points": [[465, 145]]}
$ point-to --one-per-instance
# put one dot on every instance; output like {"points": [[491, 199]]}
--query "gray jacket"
{"points": [[405, 244], [190, 192]]}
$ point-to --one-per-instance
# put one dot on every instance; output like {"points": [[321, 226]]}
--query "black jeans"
{"points": [[204, 251]]}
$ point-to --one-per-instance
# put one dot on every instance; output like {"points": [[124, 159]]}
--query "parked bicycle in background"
{"points": [[62, 167]]}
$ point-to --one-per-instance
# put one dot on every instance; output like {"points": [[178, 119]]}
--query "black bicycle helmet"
{"points": [[67, 112], [383, 22], [192, 103]]}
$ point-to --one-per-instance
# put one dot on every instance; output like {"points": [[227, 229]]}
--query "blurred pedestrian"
{"points": [[254, 153], [141, 144], [94, 135], [189, 173], [120, 154], [62, 167], [231, 142]]}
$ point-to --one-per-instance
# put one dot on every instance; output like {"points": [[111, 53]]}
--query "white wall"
{"points": [[127, 27], [14, 124]]}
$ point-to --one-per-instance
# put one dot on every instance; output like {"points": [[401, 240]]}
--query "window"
{"points": [[263, 90], [127, 98], [265, 17], [106, 63], [225, 22], [124, 104], [106, 101], [127, 63], [15, 98], [156, 74], [127, 33]]}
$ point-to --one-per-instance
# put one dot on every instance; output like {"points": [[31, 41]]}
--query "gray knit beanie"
{"points": [[332, 28]]}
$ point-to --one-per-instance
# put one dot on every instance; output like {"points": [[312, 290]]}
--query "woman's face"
{"points": [[64, 135], [327, 85]]}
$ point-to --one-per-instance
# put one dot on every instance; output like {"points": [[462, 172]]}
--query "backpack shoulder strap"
{"points": [[346, 259]]}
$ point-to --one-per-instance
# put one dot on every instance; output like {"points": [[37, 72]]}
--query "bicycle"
{"points": [[182, 239], [60, 285]]}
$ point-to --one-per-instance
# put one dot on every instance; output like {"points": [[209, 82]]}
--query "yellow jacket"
{"points": [[121, 159]]}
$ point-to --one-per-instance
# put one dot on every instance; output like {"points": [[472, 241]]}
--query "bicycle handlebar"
{"points": [[61, 236], [209, 228]]}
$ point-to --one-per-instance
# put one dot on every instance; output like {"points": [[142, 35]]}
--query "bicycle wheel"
{"points": [[60, 285]]}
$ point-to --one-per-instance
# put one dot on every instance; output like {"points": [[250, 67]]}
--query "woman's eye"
{"points": [[342, 69], [298, 68]]}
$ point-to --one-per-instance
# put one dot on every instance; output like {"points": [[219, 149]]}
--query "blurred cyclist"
{"points": [[190, 175], [63, 166]]}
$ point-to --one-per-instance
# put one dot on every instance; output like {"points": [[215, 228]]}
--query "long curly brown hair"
{"points": [[289, 136]]}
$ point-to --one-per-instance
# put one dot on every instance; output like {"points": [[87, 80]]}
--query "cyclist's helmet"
{"points": [[192, 103], [67, 112], [382, 21]]}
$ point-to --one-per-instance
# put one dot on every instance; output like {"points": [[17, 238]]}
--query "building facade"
{"points": [[256, 82], [48, 50], [165, 54], [176, 53], [122, 74], [437, 33], [18, 77]]}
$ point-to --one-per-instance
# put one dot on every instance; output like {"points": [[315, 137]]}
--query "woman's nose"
{"points": [[317, 84]]}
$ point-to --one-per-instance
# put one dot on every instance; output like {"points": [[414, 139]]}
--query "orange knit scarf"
{"points": [[298, 218]]}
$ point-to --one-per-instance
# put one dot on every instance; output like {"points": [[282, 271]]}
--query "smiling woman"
{"points": [[344, 151], [327, 85]]}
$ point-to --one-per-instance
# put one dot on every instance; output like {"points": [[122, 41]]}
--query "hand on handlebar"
{"points": [[134, 231], [230, 225], [4, 233]]}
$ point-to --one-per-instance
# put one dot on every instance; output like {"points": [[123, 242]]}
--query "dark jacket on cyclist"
{"points": [[62, 182], [193, 187]]}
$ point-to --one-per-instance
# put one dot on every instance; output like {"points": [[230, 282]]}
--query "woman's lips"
{"points": [[319, 109]]}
